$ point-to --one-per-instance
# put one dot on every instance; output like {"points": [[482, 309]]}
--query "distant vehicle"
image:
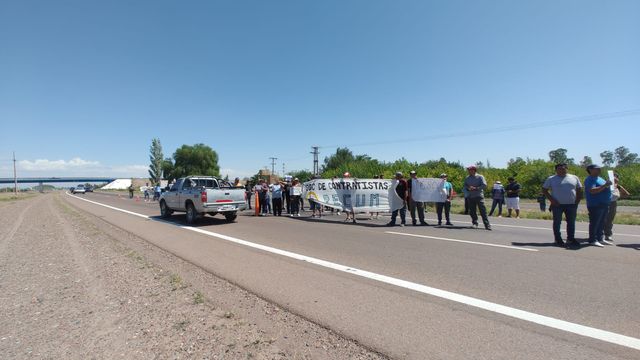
{"points": [[88, 188], [201, 195], [78, 189], [71, 189]]}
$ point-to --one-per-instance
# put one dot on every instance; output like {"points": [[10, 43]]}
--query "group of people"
{"points": [[277, 197], [564, 191]]}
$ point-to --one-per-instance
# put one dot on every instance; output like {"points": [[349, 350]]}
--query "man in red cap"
{"points": [[475, 184]]}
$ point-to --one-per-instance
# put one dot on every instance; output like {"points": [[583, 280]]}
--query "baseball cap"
{"points": [[443, 175], [472, 167], [412, 172], [398, 173], [592, 166]]}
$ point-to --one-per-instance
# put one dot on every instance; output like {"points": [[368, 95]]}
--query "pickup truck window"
{"points": [[208, 183]]}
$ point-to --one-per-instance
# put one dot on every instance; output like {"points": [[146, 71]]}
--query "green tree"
{"points": [[624, 156], [608, 158], [335, 161], [198, 159], [156, 161], [586, 161], [167, 169], [559, 156]]}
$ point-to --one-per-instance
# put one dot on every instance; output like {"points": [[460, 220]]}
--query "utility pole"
{"points": [[315, 153], [15, 177], [273, 166]]}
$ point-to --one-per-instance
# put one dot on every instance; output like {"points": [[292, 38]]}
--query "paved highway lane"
{"points": [[593, 287]]}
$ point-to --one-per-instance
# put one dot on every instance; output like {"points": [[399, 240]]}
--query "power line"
{"points": [[508, 128]]}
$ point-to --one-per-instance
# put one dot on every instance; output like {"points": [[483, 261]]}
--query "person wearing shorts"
{"points": [[513, 197]]}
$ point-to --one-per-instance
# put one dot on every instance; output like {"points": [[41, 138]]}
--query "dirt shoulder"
{"points": [[73, 286]]}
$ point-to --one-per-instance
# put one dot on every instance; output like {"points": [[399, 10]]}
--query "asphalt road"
{"points": [[508, 293]]}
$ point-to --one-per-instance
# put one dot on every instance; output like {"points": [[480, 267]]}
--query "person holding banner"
{"points": [[446, 205], [295, 192], [401, 190], [475, 185], [617, 193], [413, 205]]}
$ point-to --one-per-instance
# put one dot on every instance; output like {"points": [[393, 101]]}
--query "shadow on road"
{"points": [[629, 246], [181, 219], [583, 244]]}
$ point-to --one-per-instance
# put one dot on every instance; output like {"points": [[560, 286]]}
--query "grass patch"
{"points": [[198, 298], [176, 282], [13, 197], [181, 325], [628, 202]]}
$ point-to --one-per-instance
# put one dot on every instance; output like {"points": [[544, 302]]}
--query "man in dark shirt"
{"points": [[415, 205], [402, 191], [513, 197]]}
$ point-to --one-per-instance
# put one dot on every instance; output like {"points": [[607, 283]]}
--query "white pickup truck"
{"points": [[201, 195]]}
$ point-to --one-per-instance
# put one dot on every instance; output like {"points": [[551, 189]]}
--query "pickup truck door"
{"points": [[186, 192], [172, 196]]}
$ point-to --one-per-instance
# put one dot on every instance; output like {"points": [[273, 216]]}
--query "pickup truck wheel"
{"points": [[191, 214], [165, 212], [230, 216]]}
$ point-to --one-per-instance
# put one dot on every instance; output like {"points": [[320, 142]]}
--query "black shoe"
{"points": [[439, 223], [449, 223], [560, 243], [424, 223], [488, 227], [572, 244], [391, 224], [413, 223]]}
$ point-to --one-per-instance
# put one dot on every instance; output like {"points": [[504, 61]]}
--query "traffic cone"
{"points": [[257, 204]]}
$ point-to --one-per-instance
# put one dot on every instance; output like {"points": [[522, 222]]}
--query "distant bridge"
{"points": [[41, 180]]}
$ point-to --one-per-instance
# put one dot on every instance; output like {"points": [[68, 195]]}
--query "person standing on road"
{"points": [[564, 192], [295, 192], [415, 205], [402, 189], [475, 185], [156, 192], [617, 193], [513, 197], [598, 195], [248, 193], [263, 189], [276, 198], [131, 190], [351, 214], [497, 194], [146, 192], [446, 205], [542, 200]]}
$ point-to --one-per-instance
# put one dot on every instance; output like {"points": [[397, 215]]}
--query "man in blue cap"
{"points": [[598, 195]]}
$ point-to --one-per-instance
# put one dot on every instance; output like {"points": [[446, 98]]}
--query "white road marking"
{"points": [[462, 241], [536, 228], [603, 335]]}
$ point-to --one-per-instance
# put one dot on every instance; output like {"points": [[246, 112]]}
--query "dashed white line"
{"points": [[462, 241], [603, 335]]}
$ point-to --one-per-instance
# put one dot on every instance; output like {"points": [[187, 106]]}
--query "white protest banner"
{"points": [[358, 195], [428, 190], [612, 179], [395, 201]]}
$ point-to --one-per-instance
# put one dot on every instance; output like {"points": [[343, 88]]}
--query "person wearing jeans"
{"points": [[598, 194], [446, 205], [564, 191]]}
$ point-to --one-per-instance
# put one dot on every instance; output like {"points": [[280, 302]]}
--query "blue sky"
{"points": [[85, 85]]}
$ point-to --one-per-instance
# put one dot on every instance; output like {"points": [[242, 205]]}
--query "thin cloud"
{"points": [[78, 167]]}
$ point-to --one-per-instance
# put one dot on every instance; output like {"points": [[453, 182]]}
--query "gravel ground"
{"points": [[74, 287]]}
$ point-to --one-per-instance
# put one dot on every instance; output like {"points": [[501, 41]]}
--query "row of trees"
{"points": [[530, 173], [198, 159], [621, 156]]}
